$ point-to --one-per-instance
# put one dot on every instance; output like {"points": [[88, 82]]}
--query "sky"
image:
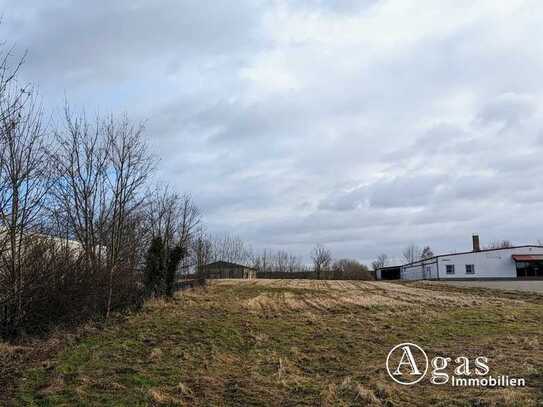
{"points": [[363, 125]]}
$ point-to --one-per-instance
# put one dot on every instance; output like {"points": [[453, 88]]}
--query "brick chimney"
{"points": [[476, 243]]}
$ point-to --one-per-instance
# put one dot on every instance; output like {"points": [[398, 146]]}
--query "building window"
{"points": [[450, 269], [470, 269]]}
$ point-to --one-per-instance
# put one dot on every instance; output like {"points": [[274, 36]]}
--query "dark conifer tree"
{"points": [[175, 255], [154, 268]]}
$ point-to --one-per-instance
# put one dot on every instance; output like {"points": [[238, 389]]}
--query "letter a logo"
{"points": [[407, 354], [402, 364]]}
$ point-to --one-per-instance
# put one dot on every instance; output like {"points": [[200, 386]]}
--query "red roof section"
{"points": [[528, 257]]}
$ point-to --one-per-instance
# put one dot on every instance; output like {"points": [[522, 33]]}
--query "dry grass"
{"points": [[290, 342], [315, 296]]}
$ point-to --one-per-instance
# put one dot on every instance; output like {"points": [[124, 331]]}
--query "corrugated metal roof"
{"points": [[528, 257]]}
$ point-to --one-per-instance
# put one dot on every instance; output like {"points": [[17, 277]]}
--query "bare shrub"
{"points": [[76, 220]]}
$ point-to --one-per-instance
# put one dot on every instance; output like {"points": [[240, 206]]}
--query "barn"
{"points": [[224, 269], [518, 262]]}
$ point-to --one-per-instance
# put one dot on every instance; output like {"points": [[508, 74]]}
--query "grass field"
{"points": [[283, 342]]}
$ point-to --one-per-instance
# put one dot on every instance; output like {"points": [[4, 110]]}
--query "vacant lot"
{"points": [[285, 342]]}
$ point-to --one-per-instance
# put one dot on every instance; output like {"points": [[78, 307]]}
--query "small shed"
{"points": [[225, 269]]}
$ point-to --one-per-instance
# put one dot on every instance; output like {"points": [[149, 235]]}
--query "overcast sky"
{"points": [[361, 125]]}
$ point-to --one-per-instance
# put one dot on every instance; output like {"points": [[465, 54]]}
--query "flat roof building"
{"points": [[517, 262]]}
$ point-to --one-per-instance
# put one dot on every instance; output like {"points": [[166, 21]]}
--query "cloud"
{"points": [[360, 125], [508, 108]]}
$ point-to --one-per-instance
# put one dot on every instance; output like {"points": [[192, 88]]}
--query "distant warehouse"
{"points": [[522, 262], [224, 269]]}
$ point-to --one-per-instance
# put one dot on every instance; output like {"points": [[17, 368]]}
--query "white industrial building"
{"points": [[522, 262]]}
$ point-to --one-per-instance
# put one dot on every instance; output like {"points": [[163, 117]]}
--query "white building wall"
{"points": [[421, 270], [487, 264]]}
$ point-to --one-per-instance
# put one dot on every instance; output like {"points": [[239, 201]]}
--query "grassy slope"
{"points": [[216, 347]]}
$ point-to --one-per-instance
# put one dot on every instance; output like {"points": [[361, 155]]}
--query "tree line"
{"points": [[83, 229], [81, 224], [276, 263]]}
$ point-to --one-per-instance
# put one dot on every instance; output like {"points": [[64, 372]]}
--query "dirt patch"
{"points": [[328, 295]]}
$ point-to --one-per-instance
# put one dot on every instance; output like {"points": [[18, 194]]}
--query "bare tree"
{"points": [[411, 253], [162, 214], [25, 179], [74, 225], [202, 248], [175, 219], [262, 262], [13, 95], [189, 227], [322, 259], [380, 262], [231, 248], [81, 191], [426, 253], [190, 219], [129, 166], [281, 261], [294, 264], [102, 168], [171, 216]]}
